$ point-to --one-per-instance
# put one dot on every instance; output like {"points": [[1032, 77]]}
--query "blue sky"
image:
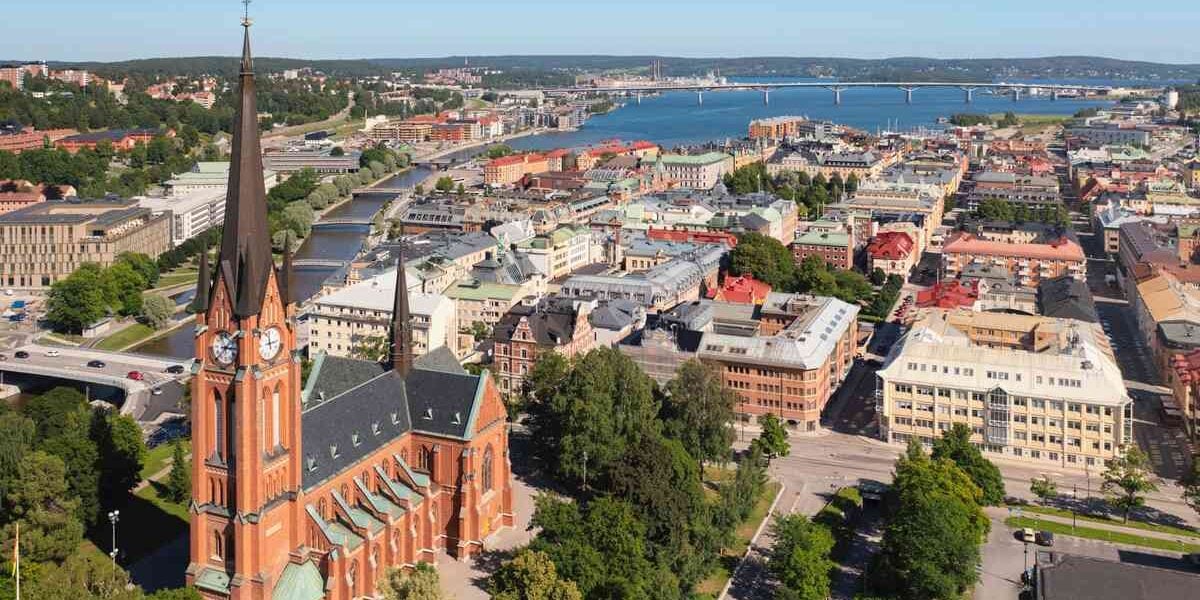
{"points": [[1162, 31]]}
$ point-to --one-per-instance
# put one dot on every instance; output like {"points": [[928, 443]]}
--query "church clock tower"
{"points": [[246, 474]]}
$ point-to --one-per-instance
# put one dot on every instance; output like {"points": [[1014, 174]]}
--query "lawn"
{"points": [[159, 457], [1132, 524], [126, 337], [715, 582], [1101, 534], [178, 277]]}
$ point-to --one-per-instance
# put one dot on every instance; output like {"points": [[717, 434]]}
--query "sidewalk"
{"points": [[1003, 513]]}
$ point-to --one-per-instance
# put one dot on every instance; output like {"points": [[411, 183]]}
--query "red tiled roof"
{"points": [[742, 289], [697, 237], [1060, 249], [890, 245], [950, 294]]}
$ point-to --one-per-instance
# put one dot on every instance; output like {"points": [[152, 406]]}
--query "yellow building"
{"points": [[1033, 389], [45, 242]]}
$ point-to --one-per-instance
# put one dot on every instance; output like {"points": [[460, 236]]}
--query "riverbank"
{"points": [[444, 152]]}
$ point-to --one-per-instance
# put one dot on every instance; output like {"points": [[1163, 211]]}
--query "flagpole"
{"points": [[17, 559]]}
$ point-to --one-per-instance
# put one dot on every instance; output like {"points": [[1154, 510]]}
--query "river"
{"points": [[675, 118], [337, 243]]}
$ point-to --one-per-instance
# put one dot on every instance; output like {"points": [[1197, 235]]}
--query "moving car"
{"points": [[52, 353], [1027, 535], [175, 369], [21, 354], [1045, 538], [135, 375], [96, 364]]}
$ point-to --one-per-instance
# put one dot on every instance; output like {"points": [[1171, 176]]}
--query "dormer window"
{"points": [[311, 463], [375, 428], [395, 418], [429, 414], [333, 451], [355, 439], [457, 418]]}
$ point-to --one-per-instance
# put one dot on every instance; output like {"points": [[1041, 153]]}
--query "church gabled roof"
{"points": [[352, 408]]}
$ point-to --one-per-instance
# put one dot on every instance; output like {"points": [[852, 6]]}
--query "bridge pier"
{"points": [[970, 92], [837, 94], [1054, 94], [639, 97], [766, 96], [908, 94], [1016, 94], [700, 97]]}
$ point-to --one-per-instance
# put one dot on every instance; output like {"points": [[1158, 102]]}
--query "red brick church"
{"points": [[304, 493]]}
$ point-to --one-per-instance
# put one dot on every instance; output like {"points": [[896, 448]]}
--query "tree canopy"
{"points": [[698, 411], [955, 445]]}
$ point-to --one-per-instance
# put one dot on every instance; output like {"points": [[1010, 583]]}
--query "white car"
{"points": [[52, 353]]}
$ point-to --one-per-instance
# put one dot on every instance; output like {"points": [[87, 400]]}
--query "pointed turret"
{"points": [[203, 285], [401, 322], [245, 245]]}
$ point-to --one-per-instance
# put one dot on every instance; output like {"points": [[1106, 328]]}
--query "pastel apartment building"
{"points": [[1032, 389], [534, 328], [1028, 262], [699, 171]]}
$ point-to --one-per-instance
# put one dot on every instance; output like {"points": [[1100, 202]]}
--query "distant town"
{"points": [[329, 332]]}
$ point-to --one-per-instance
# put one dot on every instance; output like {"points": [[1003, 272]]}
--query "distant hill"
{"points": [[911, 68]]}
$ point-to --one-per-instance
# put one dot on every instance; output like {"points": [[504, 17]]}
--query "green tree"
{"points": [[128, 285], [77, 301], [444, 184], [157, 310], [122, 453], [772, 441], [1127, 479], [175, 594], [16, 440], [51, 410], [83, 575], [698, 411], [79, 453], [801, 557], [933, 532], [298, 218], [878, 276], [1044, 488], [179, 479], [144, 265], [994, 209], [662, 482], [499, 150], [955, 445], [765, 259], [1191, 486], [374, 348], [422, 583], [531, 575], [603, 405], [41, 500], [337, 151]]}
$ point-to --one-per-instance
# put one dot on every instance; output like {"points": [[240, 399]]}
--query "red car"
{"points": [[135, 375]]}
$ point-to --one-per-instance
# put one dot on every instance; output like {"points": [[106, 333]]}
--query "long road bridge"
{"points": [[318, 263], [343, 221], [908, 87]]}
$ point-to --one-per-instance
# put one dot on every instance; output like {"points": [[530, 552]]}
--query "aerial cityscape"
{"points": [[507, 316]]}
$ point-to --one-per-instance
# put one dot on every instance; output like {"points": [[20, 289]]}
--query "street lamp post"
{"points": [[113, 517], [1074, 499]]}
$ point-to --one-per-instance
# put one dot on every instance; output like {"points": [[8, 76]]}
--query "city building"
{"points": [[560, 252], [315, 492], [320, 161], [45, 242], [741, 289], [893, 252], [535, 327], [1110, 133], [1034, 389], [1035, 192], [191, 214], [776, 128], [657, 288], [121, 139], [208, 176], [1062, 576], [862, 165], [17, 139], [482, 302], [1029, 262], [13, 75], [359, 314], [698, 172], [508, 170], [828, 240]]}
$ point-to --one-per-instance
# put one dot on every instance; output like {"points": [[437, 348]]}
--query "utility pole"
{"points": [[113, 517]]}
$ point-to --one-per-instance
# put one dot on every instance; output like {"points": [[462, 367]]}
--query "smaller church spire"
{"points": [[203, 284], [401, 321]]}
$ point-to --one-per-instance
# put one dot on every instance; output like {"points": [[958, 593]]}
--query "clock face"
{"points": [[224, 348], [270, 342]]}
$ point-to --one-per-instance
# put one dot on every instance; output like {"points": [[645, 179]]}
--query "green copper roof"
{"points": [[300, 582], [822, 238], [481, 290], [214, 580]]}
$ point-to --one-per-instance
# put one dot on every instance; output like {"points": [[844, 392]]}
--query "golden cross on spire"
{"points": [[246, 13]]}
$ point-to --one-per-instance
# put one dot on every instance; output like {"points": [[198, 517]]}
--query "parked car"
{"points": [[135, 375], [1027, 535], [96, 364], [1045, 538], [175, 369], [1193, 559], [3, 357], [21, 354], [53, 353]]}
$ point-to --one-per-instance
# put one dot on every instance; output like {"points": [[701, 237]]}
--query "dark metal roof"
{"points": [[341, 431], [1066, 298], [552, 321], [335, 375], [245, 245], [1068, 577], [440, 402]]}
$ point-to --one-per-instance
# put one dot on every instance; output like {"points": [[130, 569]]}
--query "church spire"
{"points": [[401, 321], [203, 285], [245, 246]]}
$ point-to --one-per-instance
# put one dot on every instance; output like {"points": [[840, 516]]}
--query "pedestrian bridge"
{"points": [[343, 221], [319, 263]]}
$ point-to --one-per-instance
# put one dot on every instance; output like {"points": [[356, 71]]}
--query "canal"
{"points": [[335, 243]]}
